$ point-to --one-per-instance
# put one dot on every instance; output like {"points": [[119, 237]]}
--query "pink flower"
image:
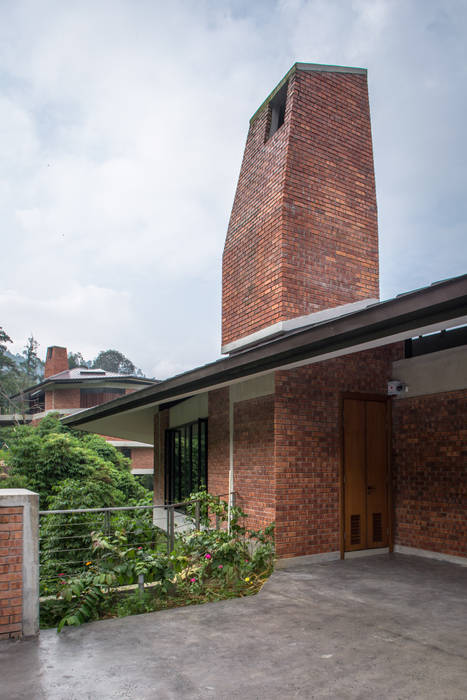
{"points": [[140, 548], [220, 566], [207, 556], [192, 580], [61, 574]]}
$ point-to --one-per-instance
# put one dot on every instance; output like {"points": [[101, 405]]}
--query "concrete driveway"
{"points": [[387, 626]]}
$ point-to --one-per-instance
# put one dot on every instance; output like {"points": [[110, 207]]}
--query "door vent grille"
{"points": [[355, 529], [377, 527]]}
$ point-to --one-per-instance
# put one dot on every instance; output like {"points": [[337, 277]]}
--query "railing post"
{"points": [[107, 523], [141, 583], [170, 529], [197, 515]]}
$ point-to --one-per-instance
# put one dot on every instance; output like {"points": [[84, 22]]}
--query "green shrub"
{"points": [[206, 564]]}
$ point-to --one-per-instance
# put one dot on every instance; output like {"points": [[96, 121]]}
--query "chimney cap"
{"points": [[309, 67]]}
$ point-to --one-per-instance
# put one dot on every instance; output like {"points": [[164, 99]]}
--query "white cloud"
{"points": [[81, 318]]}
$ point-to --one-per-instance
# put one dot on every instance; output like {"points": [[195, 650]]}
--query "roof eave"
{"points": [[50, 381], [438, 303]]}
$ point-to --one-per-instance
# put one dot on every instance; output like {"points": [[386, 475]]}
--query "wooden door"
{"points": [[365, 474]]}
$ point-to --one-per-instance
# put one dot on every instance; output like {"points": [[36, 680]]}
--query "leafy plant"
{"points": [[210, 563]]}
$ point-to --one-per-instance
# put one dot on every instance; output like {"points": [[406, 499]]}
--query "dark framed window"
{"points": [[37, 402], [186, 460], [94, 397]]}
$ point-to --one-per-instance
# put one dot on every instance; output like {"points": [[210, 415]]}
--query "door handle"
{"points": [[370, 489]]}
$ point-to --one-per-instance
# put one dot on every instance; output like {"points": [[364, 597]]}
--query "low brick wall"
{"points": [[11, 566], [19, 563]]}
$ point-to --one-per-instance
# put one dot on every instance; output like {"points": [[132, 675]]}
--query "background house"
{"points": [[338, 416], [68, 391]]}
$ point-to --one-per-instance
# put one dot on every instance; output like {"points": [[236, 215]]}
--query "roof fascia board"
{"points": [[89, 424], [441, 304], [51, 383]]}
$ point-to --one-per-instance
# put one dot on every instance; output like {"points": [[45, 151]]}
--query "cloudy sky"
{"points": [[122, 128]]}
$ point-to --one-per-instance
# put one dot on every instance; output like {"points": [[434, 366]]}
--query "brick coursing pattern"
{"points": [[429, 469], [254, 459], [303, 230], [11, 565], [307, 431], [253, 454], [56, 361], [142, 458], [218, 441], [62, 398]]}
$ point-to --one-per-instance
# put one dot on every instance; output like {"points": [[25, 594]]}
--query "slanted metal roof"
{"points": [[80, 375], [439, 306]]}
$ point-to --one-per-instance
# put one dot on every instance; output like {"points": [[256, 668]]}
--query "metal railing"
{"points": [[66, 536]]}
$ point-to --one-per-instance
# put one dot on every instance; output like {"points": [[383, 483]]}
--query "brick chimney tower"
{"points": [[303, 232], [56, 361]]}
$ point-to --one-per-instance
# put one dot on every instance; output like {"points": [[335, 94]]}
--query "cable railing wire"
{"points": [[58, 551]]}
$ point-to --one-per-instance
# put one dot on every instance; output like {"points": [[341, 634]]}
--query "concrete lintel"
{"points": [[29, 501], [306, 559], [270, 332], [433, 373], [253, 388], [428, 554], [129, 443]]}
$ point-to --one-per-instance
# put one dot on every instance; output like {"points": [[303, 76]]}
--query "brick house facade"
{"points": [[66, 391], [339, 417]]}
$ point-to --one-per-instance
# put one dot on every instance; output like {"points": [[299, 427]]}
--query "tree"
{"points": [[8, 374], [50, 460], [17, 373], [114, 361], [75, 359], [5, 361], [32, 365]]}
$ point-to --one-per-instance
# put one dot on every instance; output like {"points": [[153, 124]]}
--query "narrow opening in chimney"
{"points": [[277, 110]]}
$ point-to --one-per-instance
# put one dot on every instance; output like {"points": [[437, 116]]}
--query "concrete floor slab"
{"points": [[391, 626]]}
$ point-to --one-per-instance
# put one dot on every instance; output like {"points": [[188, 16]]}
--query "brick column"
{"points": [[19, 563]]}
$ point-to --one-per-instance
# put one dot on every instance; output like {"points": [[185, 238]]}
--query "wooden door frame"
{"points": [[383, 398]]}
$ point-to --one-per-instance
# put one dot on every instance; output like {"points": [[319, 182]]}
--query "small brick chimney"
{"points": [[56, 361], [303, 232]]}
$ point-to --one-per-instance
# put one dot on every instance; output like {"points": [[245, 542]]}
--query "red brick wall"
{"points": [[218, 441], [254, 459], [11, 562], [251, 293], [308, 445], [142, 458], [56, 361], [62, 398], [430, 472], [303, 229]]}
